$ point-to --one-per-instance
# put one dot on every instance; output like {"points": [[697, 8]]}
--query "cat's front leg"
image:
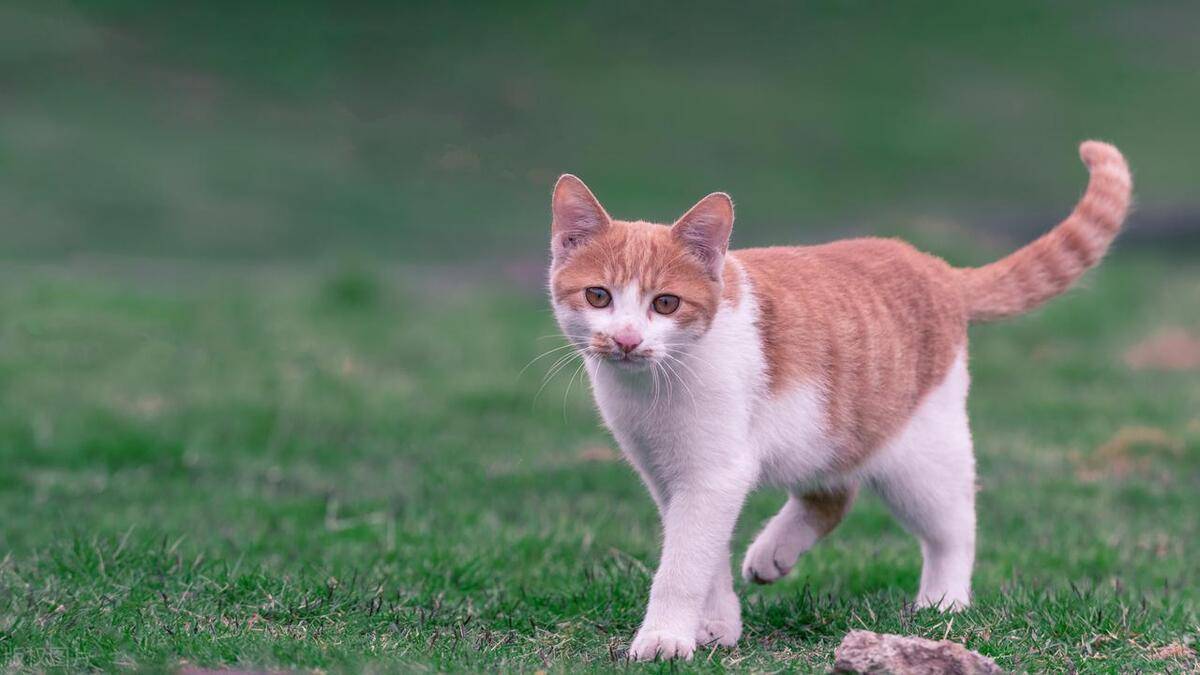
{"points": [[698, 521], [721, 620]]}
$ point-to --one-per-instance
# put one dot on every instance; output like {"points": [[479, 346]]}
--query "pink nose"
{"points": [[627, 340]]}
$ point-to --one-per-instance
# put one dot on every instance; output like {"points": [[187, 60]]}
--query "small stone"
{"points": [[862, 651]]}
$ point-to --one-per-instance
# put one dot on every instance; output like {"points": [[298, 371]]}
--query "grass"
{"points": [[344, 471], [218, 448]]}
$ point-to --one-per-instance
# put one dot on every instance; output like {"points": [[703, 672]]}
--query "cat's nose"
{"points": [[627, 340]]}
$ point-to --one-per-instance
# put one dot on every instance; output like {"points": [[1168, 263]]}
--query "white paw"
{"points": [[771, 557], [655, 644], [718, 632], [944, 602], [722, 619]]}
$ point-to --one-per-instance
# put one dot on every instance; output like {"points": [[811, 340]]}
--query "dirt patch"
{"points": [[1169, 349], [1132, 451], [1176, 651]]}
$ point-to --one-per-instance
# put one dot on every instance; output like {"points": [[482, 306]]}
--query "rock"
{"points": [[862, 651]]}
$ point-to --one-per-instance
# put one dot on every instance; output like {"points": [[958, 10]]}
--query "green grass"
{"points": [[342, 470], [219, 448]]}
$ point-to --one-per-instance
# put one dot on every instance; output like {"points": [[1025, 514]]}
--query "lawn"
{"points": [[270, 281], [345, 469]]}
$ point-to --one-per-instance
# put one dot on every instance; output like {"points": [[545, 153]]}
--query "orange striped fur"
{"points": [[1051, 264]]}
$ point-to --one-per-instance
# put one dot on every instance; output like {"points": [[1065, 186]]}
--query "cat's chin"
{"points": [[630, 365]]}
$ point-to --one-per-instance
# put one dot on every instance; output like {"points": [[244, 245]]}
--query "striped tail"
{"points": [[1047, 267]]}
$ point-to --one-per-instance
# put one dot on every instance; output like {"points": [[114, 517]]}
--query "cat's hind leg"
{"points": [[927, 477], [801, 523]]}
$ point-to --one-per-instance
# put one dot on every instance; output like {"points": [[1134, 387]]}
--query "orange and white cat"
{"points": [[814, 368]]}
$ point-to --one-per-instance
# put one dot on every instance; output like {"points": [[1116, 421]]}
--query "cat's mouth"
{"points": [[630, 360]]}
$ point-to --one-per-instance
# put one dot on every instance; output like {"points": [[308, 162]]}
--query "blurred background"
{"points": [[270, 272], [432, 132]]}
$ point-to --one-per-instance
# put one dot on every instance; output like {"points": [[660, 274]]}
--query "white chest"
{"points": [[709, 405]]}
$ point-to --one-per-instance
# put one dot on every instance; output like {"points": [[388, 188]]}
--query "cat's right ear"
{"points": [[578, 216]]}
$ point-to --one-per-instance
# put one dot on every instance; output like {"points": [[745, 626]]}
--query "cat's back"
{"points": [[874, 323], [895, 268]]}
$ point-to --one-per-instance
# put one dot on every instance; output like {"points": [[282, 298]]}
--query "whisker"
{"points": [[570, 382], [688, 389], [654, 401], [691, 370], [562, 360], [655, 368], [688, 354], [541, 356], [664, 385], [554, 370], [667, 380]]}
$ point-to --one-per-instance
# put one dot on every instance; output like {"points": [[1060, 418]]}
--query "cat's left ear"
{"points": [[704, 230]]}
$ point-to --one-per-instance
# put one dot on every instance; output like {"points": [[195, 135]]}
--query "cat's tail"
{"points": [[1049, 265]]}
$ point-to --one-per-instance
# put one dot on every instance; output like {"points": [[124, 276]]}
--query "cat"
{"points": [[814, 368]]}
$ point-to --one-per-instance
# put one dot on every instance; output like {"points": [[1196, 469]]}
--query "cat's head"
{"points": [[632, 293]]}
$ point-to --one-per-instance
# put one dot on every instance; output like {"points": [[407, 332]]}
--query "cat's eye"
{"points": [[597, 297], [666, 304]]}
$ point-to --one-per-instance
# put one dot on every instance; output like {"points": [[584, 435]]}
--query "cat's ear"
{"points": [[578, 216], [704, 230]]}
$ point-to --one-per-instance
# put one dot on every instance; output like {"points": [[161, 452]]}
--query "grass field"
{"points": [[344, 470], [269, 276]]}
